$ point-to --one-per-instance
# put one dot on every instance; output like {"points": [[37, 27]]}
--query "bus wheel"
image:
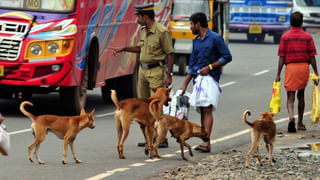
{"points": [[250, 37], [261, 37], [74, 98], [182, 63], [106, 90], [128, 89], [276, 38]]}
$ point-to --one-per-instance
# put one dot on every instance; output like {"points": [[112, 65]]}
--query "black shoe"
{"points": [[164, 144], [292, 127], [141, 144]]}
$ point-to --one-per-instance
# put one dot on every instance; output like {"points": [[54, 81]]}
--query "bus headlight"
{"points": [[40, 49], [53, 48], [282, 18], [36, 50]]}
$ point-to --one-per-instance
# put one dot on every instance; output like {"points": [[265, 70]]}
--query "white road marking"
{"points": [[227, 84], [108, 173], [106, 114], [168, 155], [261, 72], [20, 131], [137, 164], [152, 160]]}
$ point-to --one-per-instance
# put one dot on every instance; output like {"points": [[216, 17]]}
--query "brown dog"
{"points": [[182, 130], [137, 108], [64, 127], [263, 127]]}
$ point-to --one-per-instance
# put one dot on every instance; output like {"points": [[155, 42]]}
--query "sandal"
{"points": [[292, 127], [301, 127], [203, 149], [200, 147]]}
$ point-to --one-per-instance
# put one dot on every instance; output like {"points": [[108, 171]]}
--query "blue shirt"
{"points": [[209, 50]]}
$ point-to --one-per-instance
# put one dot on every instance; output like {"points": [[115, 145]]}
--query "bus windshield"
{"points": [[308, 3], [39, 5], [182, 9]]}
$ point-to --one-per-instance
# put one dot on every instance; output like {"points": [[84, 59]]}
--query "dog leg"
{"points": [[182, 149], [36, 154], [189, 147], [65, 145], [30, 147], [125, 121], [144, 132], [68, 138], [269, 149], [254, 145], [119, 129], [74, 154], [258, 156], [161, 131], [271, 159], [150, 131], [39, 133]]}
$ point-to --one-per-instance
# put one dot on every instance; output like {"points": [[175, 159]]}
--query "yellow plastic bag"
{"points": [[275, 102], [315, 112]]}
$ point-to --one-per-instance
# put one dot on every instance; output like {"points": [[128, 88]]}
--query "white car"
{"points": [[310, 10]]}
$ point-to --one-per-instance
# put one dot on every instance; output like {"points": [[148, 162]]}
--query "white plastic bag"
{"points": [[206, 91], [4, 141], [178, 106]]}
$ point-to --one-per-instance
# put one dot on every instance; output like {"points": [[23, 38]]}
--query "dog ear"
{"points": [[263, 115], [82, 112], [92, 112]]}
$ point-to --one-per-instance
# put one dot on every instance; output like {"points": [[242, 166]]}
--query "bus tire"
{"points": [[250, 37], [261, 37], [106, 90], [182, 63], [128, 87], [74, 98], [276, 38]]}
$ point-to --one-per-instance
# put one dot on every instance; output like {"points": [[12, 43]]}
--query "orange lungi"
{"points": [[296, 76]]}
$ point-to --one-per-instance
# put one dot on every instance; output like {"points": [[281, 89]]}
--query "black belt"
{"points": [[150, 66]]}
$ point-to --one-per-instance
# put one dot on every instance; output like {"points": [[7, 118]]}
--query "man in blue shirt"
{"points": [[209, 54]]}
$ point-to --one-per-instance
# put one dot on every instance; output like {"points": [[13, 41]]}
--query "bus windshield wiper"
{"points": [[33, 20]]}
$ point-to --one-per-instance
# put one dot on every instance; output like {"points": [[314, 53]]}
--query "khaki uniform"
{"points": [[154, 45]]}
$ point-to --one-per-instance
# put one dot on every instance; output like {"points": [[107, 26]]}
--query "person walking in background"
{"points": [[156, 50], [209, 54], [296, 51]]}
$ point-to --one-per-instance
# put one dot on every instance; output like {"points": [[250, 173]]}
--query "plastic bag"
{"points": [[178, 106], [315, 112], [4, 141], [275, 102], [206, 91]]}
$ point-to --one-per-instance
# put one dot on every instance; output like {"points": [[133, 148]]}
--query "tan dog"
{"points": [[263, 127], [137, 108], [64, 127], [182, 130]]}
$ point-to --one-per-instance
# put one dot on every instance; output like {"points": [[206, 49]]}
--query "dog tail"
{"points": [[155, 108], [26, 112], [244, 117], [115, 99]]}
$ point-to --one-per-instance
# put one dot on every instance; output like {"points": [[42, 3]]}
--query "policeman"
{"points": [[155, 48]]}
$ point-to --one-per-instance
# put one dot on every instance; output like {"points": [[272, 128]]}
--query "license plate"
{"points": [[1, 71], [255, 29]]}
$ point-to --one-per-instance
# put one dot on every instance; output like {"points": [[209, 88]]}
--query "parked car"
{"points": [[310, 10]]}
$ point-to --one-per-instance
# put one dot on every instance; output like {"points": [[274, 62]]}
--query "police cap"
{"points": [[144, 8]]}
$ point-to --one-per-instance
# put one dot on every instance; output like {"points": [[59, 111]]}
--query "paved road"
{"points": [[246, 83]]}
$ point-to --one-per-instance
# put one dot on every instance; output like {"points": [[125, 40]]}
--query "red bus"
{"points": [[64, 46]]}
